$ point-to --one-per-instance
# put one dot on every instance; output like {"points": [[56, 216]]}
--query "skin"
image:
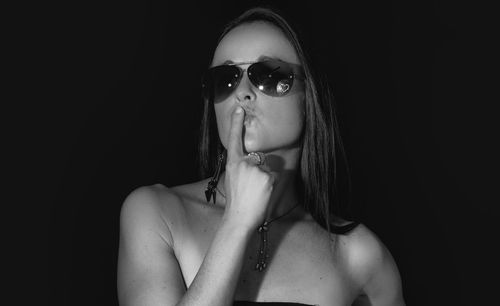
{"points": [[175, 249], [273, 125]]}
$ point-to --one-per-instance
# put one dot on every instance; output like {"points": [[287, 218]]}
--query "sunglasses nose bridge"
{"points": [[245, 89]]}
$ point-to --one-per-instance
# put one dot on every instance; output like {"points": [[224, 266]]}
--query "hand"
{"points": [[248, 186]]}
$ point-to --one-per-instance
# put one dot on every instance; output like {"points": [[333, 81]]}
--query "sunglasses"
{"points": [[273, 78]]}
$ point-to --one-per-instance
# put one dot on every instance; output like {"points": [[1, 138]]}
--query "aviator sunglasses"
{"points": [[273, 78]]}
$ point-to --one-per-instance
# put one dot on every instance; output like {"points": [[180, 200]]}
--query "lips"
{"points": [[249, 118]]}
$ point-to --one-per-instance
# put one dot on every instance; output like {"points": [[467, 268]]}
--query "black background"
{"points": [[119, 107]]}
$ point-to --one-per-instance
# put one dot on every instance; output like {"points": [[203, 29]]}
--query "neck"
{"points": [[284, 195]]}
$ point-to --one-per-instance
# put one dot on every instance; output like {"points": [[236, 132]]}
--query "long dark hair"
{"points": [[321, 143]]}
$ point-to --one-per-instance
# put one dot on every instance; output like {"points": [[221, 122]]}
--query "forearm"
{"points": [[216, 280]]}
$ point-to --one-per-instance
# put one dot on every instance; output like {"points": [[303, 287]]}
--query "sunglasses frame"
{"points": [[297, 74]]}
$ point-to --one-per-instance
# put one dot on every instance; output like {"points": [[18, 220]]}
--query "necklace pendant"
{"points": [[263, 254], [260, 266]]}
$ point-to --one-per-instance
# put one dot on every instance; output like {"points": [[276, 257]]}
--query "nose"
{"points": [[245, 91]]}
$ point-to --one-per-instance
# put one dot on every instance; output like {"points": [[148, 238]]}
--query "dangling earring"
{"points": [[212, 184]]}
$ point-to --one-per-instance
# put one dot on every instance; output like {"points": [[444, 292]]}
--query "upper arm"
{"points": [[375, 269], [148, 271]]}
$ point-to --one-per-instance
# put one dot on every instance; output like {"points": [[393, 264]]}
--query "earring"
{"points": [[212, 184]]}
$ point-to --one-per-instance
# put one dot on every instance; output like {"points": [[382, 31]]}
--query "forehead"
{"points": [[250, 41]]}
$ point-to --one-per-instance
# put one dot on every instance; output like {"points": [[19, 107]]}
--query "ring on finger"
{"points": [[258, 157]]}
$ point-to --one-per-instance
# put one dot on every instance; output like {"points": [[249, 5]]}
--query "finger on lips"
{"points": [[235, 143], [235, 150]]}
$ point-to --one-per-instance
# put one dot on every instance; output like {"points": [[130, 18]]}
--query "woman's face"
{"points": [[271, 123]]}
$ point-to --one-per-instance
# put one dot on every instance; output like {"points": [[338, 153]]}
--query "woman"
{"points": [[262, 228]]}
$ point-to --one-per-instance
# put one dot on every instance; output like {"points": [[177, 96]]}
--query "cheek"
{"points": [[288, 117]]}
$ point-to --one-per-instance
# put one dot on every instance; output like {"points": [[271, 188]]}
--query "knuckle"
{"points": [[264, 177], [246, 162], [269, 179]]}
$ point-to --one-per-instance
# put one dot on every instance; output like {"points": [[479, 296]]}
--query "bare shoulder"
{"points": [[363, 248], [153, 198], [151, 208], [166, 208], [147, 263], [372, 267], [191, 192]]}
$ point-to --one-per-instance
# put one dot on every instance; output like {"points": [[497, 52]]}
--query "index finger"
{"points": [[235, 144]]}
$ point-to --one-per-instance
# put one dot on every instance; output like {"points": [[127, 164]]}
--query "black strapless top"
{"points": [[248, 303]]}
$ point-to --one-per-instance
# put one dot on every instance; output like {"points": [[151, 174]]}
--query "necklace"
{"points": [[263, 253]]}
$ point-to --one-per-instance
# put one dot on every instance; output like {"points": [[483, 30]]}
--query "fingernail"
{"points": [[239, 110]]}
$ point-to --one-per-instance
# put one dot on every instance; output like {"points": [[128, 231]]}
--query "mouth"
{"points": [[249, 119]]}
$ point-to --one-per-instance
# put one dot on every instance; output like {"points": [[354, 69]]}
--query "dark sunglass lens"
{"points": [[274, 78], [219, 82]]}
